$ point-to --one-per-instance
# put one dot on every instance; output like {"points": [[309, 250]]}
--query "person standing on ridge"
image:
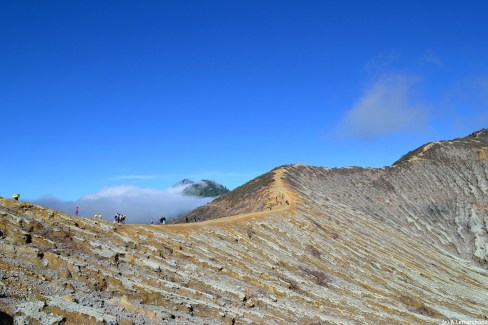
{"points": [[76, 212]]}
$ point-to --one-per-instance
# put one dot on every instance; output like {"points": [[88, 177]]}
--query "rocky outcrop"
{"points": [[301, 244], [437, 193]]}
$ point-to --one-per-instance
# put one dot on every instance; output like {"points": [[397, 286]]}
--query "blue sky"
{"points": [[97, 94]]}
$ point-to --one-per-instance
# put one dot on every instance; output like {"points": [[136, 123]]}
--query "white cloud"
{"points": [[388, 106], [139, 204]]}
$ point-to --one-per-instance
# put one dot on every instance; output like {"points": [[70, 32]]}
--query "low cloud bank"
{"points": [[139, 204]]}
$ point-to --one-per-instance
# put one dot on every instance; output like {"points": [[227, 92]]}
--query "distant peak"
{"points": [[205, 188], [185, 181]]}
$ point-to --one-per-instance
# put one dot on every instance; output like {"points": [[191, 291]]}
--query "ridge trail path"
{"points": [[279, 192]]}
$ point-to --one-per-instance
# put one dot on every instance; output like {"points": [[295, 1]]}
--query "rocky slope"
{"points": [[301, 244], [253, 196]]}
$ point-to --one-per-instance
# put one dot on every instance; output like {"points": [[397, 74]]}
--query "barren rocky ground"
{"points": [[405, 244]]}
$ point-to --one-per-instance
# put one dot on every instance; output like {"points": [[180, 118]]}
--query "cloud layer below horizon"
{"points": [[139, 204]]}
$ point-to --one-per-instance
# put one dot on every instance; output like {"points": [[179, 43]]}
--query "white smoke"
{"points": [[138, 204]]}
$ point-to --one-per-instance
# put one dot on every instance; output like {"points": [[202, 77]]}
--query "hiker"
{"points": [[152, 221], [198, 218], [123, 218], [194, 218], [76, 212], [16, 197], [116, 218], [186, 219], [163, 220], [287, 203]]}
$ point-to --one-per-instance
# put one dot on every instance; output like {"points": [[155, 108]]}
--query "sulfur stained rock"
{"points": [[404, 244], [70, 298], [65, 274], [31, 312]]}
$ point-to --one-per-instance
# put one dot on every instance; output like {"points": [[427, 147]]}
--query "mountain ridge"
{"points": [[299, 244]]}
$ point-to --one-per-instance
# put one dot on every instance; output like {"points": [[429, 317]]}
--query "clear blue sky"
{"points": [[145, 93]]}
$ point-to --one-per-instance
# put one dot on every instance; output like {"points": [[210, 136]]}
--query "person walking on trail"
{"points": [[76, 212]]}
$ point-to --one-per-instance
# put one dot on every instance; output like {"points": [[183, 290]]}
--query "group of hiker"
{"points": [[119, 218], [278, 200], [163, 220], [195, 219]]}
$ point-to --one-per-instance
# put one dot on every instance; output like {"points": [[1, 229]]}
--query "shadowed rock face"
{"points": [[403, 244], [437, 193]]}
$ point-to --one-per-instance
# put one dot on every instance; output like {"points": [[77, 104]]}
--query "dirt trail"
{"points": [[278, 195]]}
